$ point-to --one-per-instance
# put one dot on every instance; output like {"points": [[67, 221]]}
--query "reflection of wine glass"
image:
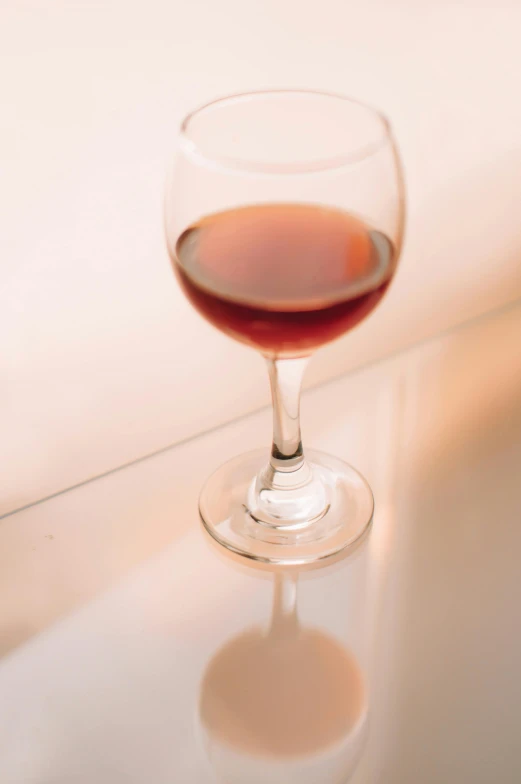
{"points": [[284, 218], [283, 705]]}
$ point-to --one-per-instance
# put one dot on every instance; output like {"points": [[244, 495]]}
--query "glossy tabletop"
{"points": [[134, 651]]}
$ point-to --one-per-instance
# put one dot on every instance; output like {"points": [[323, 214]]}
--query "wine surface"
{"points": [[284, 278]]}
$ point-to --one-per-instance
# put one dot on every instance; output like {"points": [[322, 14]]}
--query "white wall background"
{"points": [[101, 359]]}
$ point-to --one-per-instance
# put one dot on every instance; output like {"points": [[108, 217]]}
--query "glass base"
{"points": [[228, 511]]}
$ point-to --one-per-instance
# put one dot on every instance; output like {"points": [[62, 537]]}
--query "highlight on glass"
{"points": [[284, 220]]}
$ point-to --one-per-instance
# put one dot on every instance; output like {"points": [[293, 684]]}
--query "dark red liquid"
{"points": [[284, 278]]}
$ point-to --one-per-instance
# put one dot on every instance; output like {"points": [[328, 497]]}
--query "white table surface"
{"points": [[112, 603]]}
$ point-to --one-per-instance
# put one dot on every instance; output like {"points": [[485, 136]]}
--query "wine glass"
{"points": [[284, 220]]}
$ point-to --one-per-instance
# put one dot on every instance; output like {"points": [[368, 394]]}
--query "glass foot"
{"points": [[229, 511]]}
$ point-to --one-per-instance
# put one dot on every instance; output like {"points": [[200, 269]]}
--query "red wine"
{"points": [[284, 278]]}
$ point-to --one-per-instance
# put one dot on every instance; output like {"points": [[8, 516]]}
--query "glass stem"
{"points": [[286, 377], [284, 618], [286, 495]]}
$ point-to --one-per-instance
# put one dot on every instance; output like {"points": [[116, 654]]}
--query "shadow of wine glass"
{"points": [[285, 703]]}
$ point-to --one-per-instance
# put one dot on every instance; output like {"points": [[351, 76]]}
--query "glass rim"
{"points": [[246, 166]]}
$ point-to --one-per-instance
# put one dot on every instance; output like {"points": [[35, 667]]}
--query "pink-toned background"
{"points": [[102, 360]]}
